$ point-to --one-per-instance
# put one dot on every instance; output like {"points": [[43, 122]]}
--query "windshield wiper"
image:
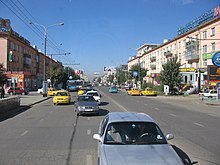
{"points": [[114, 142]]}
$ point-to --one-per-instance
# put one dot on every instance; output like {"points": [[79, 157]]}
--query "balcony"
{"points": [[192, 56], [168, 54], [192, 44], [153, 66], [152, 58]]}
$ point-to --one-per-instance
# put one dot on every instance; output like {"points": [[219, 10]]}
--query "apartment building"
{"points": [[24, 64], [195, 45]]}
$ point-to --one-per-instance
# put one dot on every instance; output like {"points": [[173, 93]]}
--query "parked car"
{"points": [[95, 94], [61, 97], [40, 90], [208, 93], [149, 92], [129, 138], [17, 90], [86, 104], [134, 92], [113, 89]]}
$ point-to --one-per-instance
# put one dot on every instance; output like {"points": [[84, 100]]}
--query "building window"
{"points": [[213, 31], [205, 62], [204, 48], [204, 35], [213, 46]]}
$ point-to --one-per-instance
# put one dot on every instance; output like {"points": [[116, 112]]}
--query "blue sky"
{"points": [[101, 33]]}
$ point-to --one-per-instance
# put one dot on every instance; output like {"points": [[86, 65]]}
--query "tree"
{"points": [[141, 72], [170, 75], [3, 77], [55, 75]]}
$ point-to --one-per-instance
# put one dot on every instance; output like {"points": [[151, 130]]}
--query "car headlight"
{"points": [[81, 108]]}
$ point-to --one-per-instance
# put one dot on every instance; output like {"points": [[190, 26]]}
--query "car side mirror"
{"points": [[169, 136], [97, 137], [100, 95]]}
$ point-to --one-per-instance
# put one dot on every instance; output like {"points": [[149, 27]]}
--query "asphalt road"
{"points": [[46, 134]]}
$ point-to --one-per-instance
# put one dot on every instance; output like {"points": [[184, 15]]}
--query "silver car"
{"points": [[86, 104], [128, 138]]}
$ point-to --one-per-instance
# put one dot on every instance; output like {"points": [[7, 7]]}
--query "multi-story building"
{"points": [[194, 46], [24, 64]]}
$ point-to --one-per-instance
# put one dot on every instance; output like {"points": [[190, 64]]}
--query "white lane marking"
{"points": [[146, 104], [88, 118], [199, 124], [156, 108], [41, 120], [88, 159], [25, 132], [213, 115], [88, 132], [173, 115]]}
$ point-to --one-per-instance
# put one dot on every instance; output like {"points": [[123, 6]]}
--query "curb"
{"points": [[47, 98]]}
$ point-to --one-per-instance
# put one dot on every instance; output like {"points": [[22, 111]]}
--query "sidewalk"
{"points": [[32, 98]]}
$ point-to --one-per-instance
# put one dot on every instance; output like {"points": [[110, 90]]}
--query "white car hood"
{"points": [[140, 155]]}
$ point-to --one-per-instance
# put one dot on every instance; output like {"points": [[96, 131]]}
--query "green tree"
{"points": [[55, 73], [3, 77], [141, 72], [170, 75]]}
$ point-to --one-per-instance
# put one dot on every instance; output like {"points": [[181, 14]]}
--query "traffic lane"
{"points": [[42, 135], [183, 127]]}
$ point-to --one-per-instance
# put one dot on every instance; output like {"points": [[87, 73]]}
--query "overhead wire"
{"points": [[17, 11]]}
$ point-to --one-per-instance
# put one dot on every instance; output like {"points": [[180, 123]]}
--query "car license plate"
{"points": [[88, 110]]}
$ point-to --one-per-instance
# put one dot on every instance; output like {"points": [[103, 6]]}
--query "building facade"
{"points": [[194, 46], [24, 64]]}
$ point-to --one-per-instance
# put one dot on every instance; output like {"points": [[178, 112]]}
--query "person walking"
{"points": [[3, 93]]}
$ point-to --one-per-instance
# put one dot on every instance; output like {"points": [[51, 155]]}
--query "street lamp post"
{"points": [[45, 51]]}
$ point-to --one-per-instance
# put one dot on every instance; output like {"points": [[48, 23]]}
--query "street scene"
{"points": [[109, 82]]}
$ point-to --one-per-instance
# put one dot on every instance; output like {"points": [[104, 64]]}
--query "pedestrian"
{"points": [[3, 93]]}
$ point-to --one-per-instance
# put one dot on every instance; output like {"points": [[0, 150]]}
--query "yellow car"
{"points": [[81, 91], [134, 92], [149, 92], [51, 91], [62, 97]]}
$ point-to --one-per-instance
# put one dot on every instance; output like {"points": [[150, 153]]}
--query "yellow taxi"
{"points": [[81, 91], [61, 97], [134, 92], [149, 92], [51, 91]]}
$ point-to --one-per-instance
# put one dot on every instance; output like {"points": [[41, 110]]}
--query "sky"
{"points": [[100, 33]]}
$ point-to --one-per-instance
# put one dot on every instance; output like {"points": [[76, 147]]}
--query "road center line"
{"points": [[156, 108], [88, 159], [146, 104], [88, 132], [25, 132], [41, 120], [199, 124], [173, 115]]}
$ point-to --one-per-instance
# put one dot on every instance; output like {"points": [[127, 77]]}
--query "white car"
{"points": [[96, 95], [127, 138], [209, 93], [40, 90]]}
